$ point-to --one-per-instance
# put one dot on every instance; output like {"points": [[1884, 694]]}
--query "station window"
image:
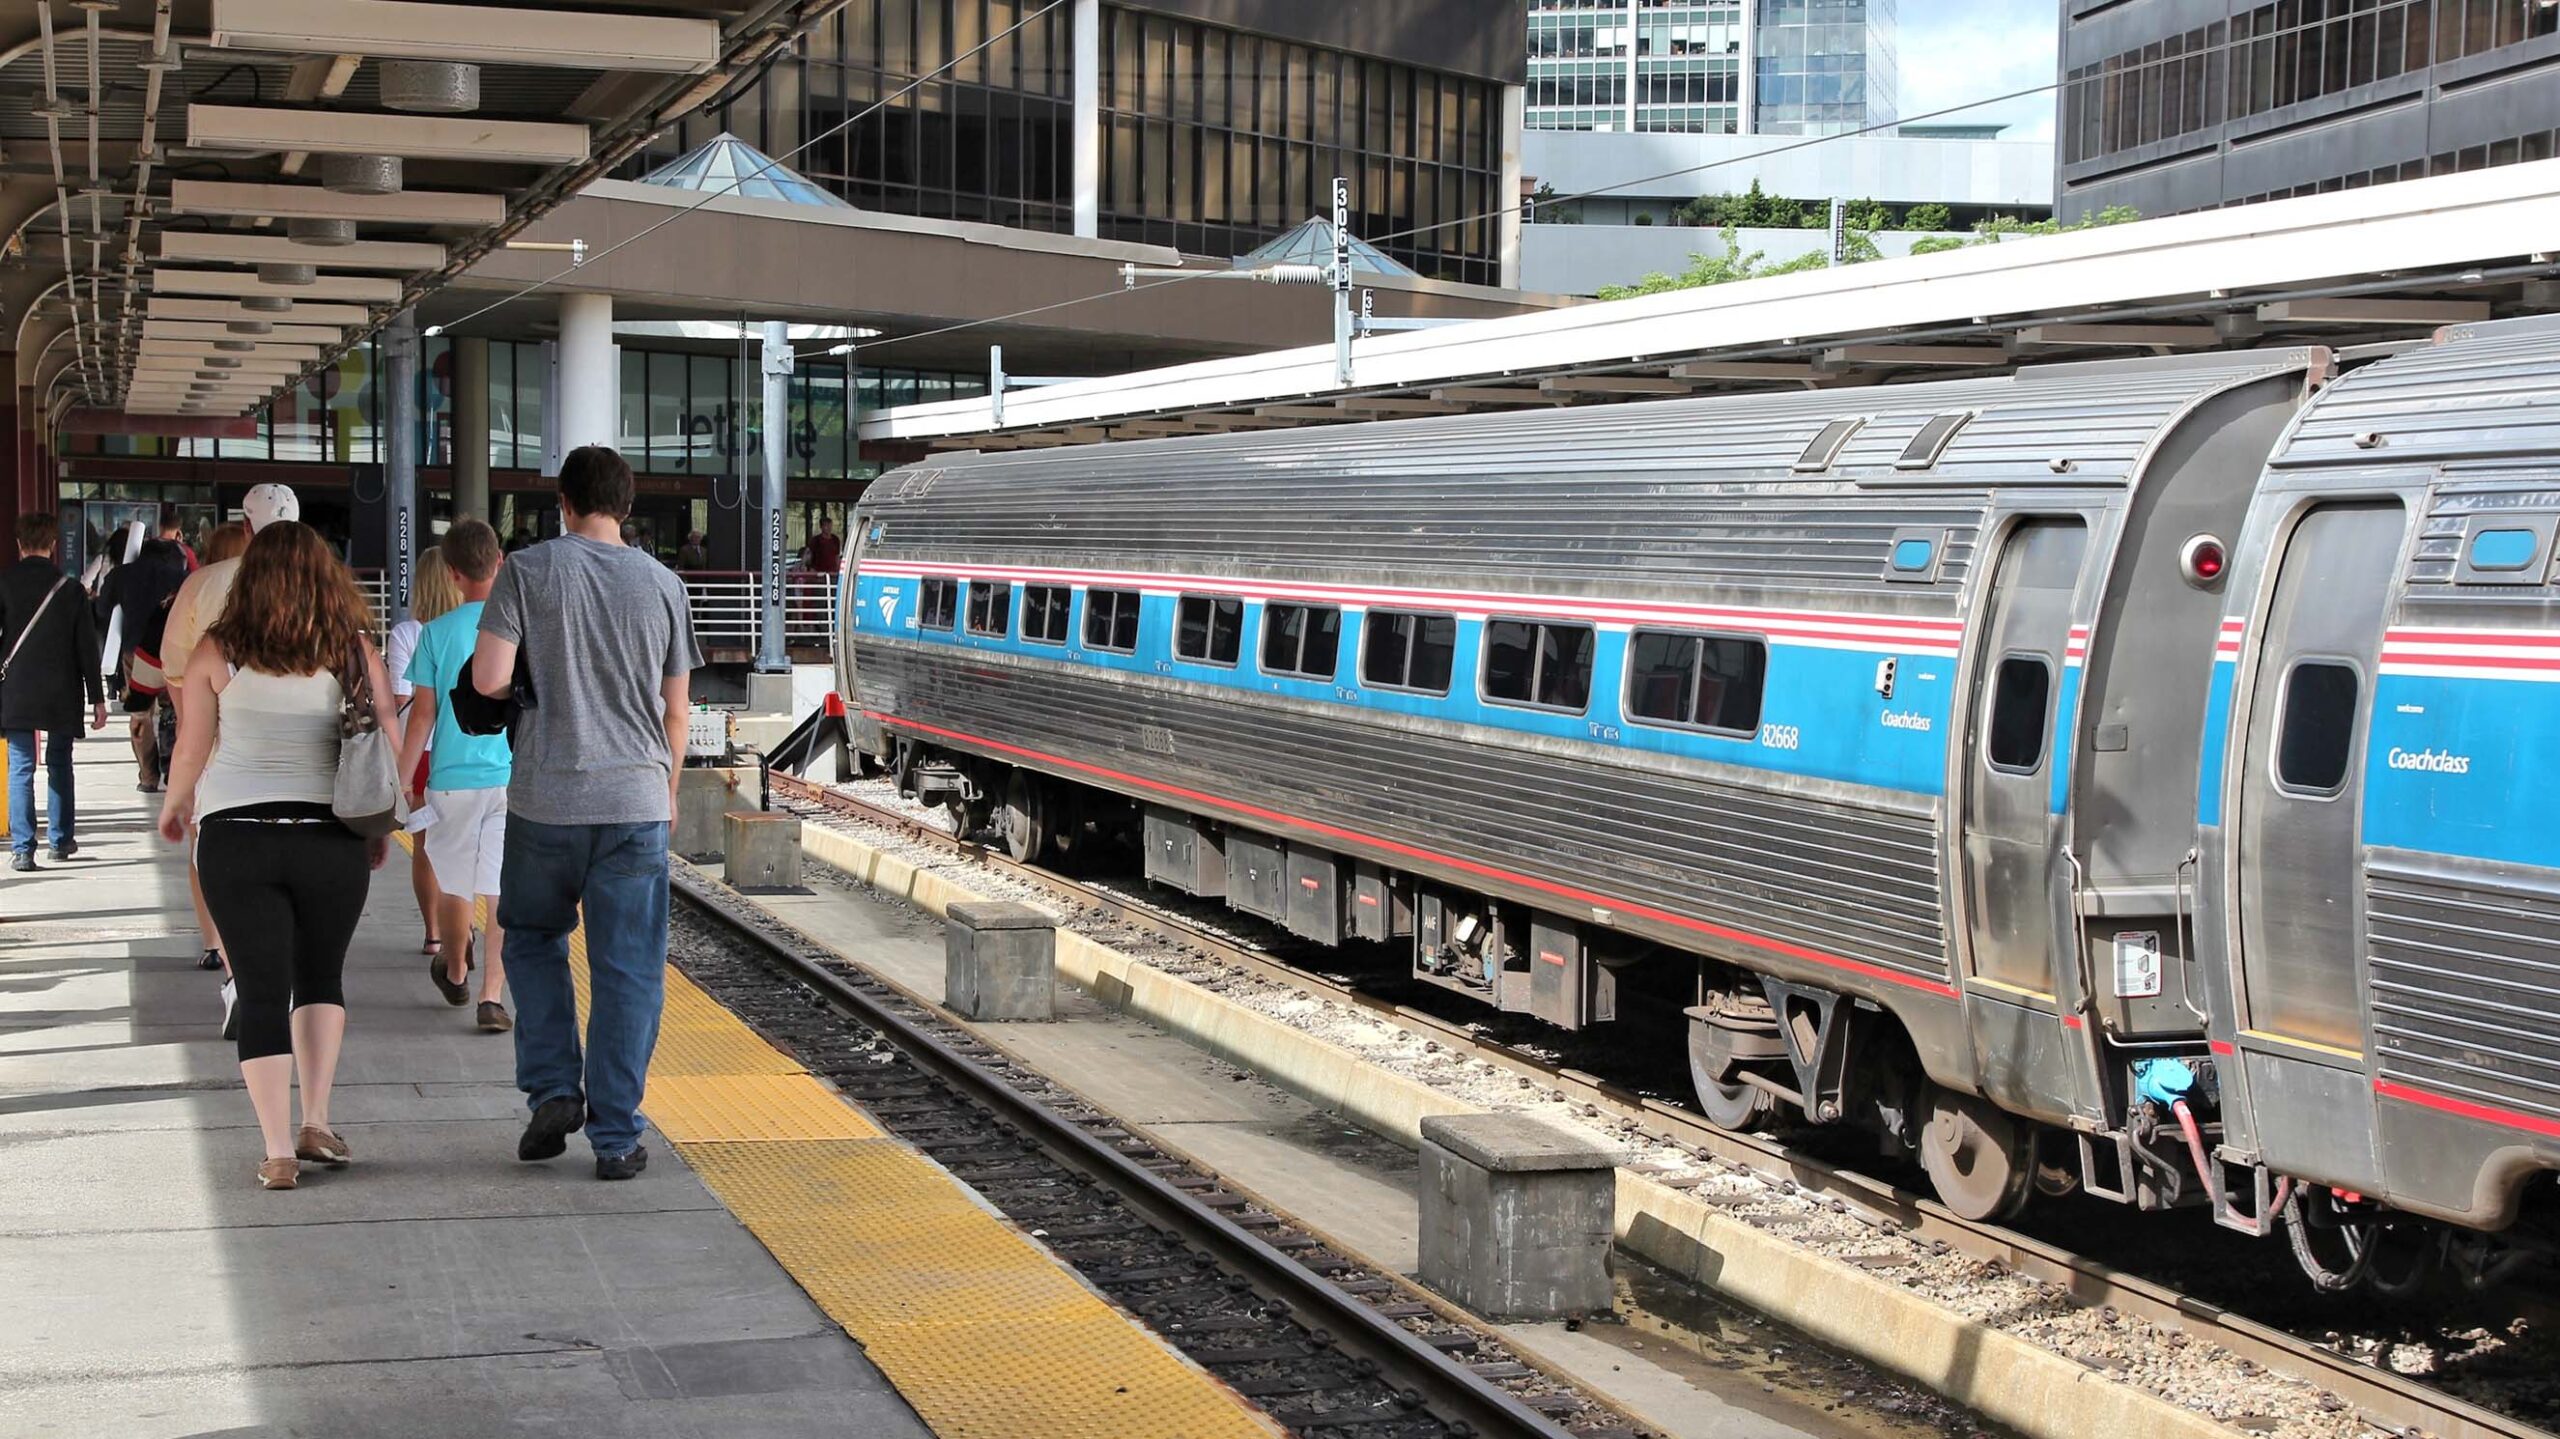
{"points": [[1044, 613], [2021, 704], [2319, 726], [990, 608], [1710, 681], [1543, 665], [1400, 651], [1208, 629], [939, 606], [1301, 640], [1111, 620]]}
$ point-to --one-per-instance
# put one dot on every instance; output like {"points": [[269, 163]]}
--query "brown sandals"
{"points": [[321, 1147], [279, 1174]]}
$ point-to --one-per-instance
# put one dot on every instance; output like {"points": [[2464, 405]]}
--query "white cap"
{"points": [[267, 504]]}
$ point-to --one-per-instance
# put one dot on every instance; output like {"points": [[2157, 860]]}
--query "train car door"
{"points": [[2009, 826], [2298, 843]]}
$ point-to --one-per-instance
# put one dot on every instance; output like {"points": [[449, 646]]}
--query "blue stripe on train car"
{"points": [[2217, 731], [2066, 719], [2465, 766], [1821, 713]]}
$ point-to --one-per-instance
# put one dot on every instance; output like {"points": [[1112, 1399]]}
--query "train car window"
{"points": [[939, 607], [1111, 620], [2319, 726], [1932, 441], [1401, 651], [2021, 709], [1542, 665], [1709, 681], [990, 608], [1044, 613], [1826, 446], [1208, 629], [1304, 640]]}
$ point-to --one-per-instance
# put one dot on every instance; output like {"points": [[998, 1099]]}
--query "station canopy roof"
{"points": [[727, 165], [2376, 266], [204, 201]]}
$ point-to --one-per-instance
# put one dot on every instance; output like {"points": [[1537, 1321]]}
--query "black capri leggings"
{"points": [[286, 897]]}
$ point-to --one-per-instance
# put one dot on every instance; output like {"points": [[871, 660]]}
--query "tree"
{"points": [[1734, 265], [1993, 230], [1930, 216], [1869, 215]]}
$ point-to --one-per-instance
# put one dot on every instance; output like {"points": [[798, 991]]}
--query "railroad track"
{"points": [[2393, 1402], [1320, 1342]]}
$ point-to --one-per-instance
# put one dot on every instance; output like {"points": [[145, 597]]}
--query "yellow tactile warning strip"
{"points": [[983, 1331]]}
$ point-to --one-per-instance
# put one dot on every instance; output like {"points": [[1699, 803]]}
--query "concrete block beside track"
{"points": [[2039, 1394], [704, 797], [1000, 961], [762, 851], [1517, 1216]]}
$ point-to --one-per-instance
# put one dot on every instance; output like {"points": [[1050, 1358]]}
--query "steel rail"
{"points": [[2390, 1401], [1447, 1388]]}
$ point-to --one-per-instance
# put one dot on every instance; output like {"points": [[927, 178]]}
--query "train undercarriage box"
{"points": [[1314, 896], [1257, 875], [1187, 853]]}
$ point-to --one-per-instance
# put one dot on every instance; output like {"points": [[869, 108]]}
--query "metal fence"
{"points": [[727, 607]]}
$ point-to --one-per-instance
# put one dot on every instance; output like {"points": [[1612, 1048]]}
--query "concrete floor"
{"points": [[438, 1287], [1685, 1365]]}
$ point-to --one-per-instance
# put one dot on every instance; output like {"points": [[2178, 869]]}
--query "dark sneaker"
{"points": [[230, 1010], [65, 850], [23, 860], [212, 960], [546, 1136], [622, 1166], [456, 992]]}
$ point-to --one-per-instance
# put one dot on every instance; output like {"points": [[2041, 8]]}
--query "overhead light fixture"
{"points": [[276, 304], [403, 29], [288, 274], [249, 327]]}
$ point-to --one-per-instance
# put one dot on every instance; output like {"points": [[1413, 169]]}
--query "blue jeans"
{"points": [[618, 874], [22, 788]]}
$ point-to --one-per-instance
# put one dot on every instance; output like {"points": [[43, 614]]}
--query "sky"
{"points": [[1953, 51]]}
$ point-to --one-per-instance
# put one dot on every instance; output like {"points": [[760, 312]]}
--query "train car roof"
{"points": [[2075, 424], [2484, 393]]}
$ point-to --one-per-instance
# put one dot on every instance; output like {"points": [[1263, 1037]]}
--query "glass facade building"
{"points": [[1213, 140], [2298, 96], [1823, 67], [1662, 66]]}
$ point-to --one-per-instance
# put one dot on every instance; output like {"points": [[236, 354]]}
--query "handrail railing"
{"points": [[727, 607]]}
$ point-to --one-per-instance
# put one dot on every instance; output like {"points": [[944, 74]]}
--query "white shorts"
{"points": [[468, 839]]}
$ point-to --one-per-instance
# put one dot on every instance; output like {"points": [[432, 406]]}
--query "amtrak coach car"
{"points": [[2117, 776]]}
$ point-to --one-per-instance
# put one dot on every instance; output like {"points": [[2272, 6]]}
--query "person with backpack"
{"points": [[606, 644], [48, 656]]}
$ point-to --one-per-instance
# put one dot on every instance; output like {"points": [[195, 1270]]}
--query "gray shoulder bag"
{"points": [[367, 796]]}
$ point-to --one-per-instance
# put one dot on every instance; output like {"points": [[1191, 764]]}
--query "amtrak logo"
{"points": [[2430, 761], [889, 609]]}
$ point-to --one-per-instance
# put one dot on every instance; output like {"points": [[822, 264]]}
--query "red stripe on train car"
{"points": [[1468, 866], [2485, 1113]]}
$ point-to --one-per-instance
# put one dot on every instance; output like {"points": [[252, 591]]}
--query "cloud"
{"points": [[1952, 52]]}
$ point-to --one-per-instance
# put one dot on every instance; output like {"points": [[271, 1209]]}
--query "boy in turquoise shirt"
{"points": [[466, 780]]}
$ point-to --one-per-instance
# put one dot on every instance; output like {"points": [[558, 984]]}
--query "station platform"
{"points": [[782, 1269]]}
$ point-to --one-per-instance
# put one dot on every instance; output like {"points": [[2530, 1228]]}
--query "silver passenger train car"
{"points": [[1991, 801]]}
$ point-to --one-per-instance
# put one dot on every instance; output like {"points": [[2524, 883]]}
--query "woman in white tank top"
{"points": [[256, 770]]}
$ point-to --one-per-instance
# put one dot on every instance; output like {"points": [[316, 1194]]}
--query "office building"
{"points": [[1713, 67], [2170, 105]]}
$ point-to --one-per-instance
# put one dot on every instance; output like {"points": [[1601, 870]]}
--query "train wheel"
{"points": [[1979, 1156], [1719, 1047], [1024, 819]]}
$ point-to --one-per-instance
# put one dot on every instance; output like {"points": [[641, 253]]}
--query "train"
{"points": [[2135, 777]]}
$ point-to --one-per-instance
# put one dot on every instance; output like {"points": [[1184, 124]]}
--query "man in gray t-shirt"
{"points": [[607, 648]]}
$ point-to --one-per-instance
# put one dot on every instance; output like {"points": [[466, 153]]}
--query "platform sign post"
{"points": [[773, 655], [1341, 278], [1839, 231], [400, 472]]}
